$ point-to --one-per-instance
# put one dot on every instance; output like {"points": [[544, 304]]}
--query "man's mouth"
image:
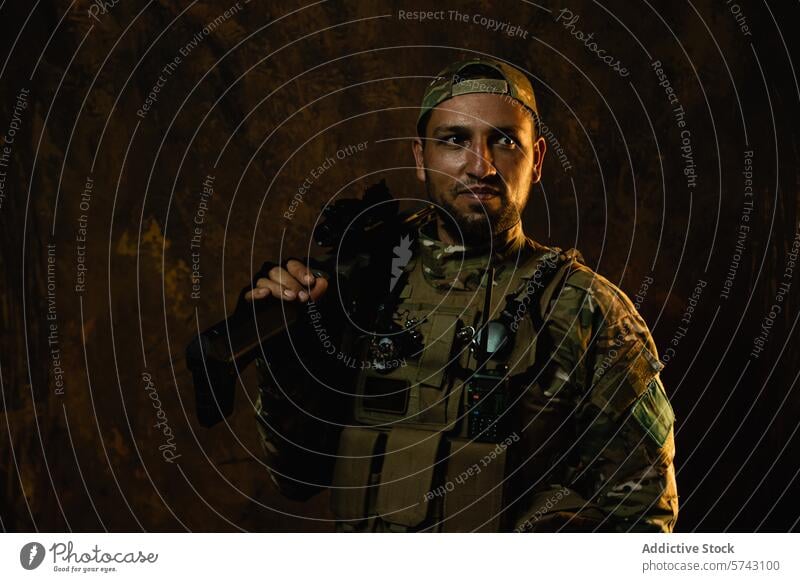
{"points": [[479, 193]]}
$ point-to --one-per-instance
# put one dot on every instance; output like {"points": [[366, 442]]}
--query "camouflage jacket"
{"points": [[595, 449]]}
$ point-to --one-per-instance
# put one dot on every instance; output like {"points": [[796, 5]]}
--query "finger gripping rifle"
{"points": [[354, 232]]}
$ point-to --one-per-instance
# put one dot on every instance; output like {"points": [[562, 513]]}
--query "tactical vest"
{"points": [[428, 448]]}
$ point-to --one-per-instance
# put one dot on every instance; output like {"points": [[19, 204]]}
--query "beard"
{"points": [[478, 225]]}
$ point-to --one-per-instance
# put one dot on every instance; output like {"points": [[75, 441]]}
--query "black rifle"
{"points": [[354, 231]]}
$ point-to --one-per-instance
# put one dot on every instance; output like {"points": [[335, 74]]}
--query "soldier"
{"points": [[544, 412]]}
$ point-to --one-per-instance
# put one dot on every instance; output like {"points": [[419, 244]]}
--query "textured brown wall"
{"points": [[267, 96]]}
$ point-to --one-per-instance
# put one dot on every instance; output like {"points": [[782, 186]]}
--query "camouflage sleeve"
{"points": [[619, 473], [298, 412]]}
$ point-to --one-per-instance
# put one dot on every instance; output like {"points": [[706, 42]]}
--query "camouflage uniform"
{"points": [[591, 429]]}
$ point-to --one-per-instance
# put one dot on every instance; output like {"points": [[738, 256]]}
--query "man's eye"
{"points": [[453, 139], [507, 140]]}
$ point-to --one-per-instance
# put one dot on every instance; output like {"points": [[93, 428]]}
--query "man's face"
{"points": [[478, 162]]}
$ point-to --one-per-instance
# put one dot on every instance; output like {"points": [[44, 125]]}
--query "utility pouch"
{"points": [[475, 499], [406, 477], [352, 488]]}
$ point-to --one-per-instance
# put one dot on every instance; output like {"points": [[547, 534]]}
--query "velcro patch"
{"points": [[654, 412]]}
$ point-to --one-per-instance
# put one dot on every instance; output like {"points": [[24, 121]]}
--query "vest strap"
{"points": [[442, 330], [568, 260]]}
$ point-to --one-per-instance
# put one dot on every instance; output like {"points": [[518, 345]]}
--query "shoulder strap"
{"points": [[568, 261], [545, 275]]}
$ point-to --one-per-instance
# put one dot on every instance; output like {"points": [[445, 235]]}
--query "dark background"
{"points": [[267, 96]]}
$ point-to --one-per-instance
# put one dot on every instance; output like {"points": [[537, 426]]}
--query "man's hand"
{"points": [[294, 282]]}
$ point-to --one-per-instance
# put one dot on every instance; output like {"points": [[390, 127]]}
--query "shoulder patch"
{"points": [[654, 413]]}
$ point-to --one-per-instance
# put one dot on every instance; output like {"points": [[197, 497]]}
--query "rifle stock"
{"points": [[218, 355]]}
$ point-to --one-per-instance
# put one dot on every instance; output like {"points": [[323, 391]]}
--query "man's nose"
{"points": [[480, 162]]}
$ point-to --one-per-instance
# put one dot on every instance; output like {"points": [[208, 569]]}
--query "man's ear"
{"points": [[419, 159], [539, 148]]}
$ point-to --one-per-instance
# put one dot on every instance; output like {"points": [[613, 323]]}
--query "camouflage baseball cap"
{"points": [[466, 76]]}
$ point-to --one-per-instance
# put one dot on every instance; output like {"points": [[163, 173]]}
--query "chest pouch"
{"points": [[405, 375], [437, 368]]}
